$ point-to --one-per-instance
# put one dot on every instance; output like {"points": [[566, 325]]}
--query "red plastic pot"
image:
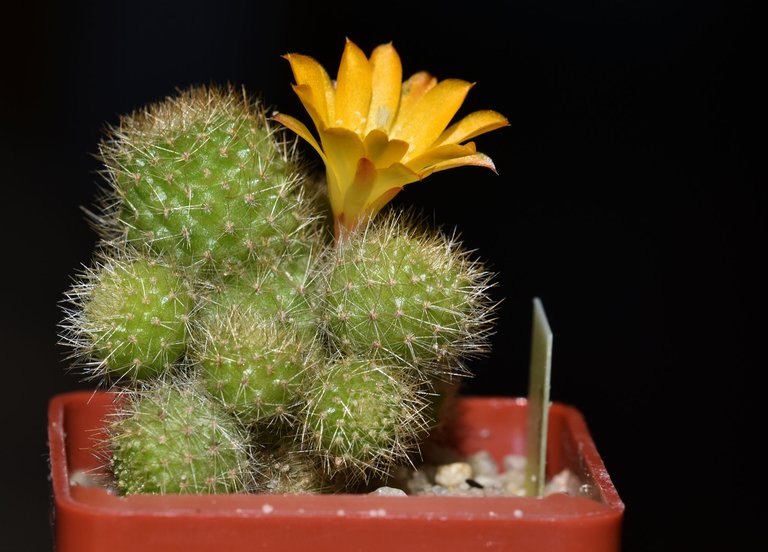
{"points": [[91, 519]]}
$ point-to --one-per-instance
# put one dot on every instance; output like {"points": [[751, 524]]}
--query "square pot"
{"points": [[89, 518]]}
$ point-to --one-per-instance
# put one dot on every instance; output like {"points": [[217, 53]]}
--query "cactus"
{"points": [[409, 295], [283, 293], [171, 438], [362, 418], [128, 317], [289, 470], [254, 367], [201, 178], [254, 348]]}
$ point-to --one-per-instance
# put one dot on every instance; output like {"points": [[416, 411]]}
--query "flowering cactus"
{"points": [[251, 348]]}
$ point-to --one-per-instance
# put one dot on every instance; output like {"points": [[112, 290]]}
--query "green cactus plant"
{"points": [[128, 317], [201, 178], [289, 470], [254, 348], [283, 293], [399, 292], [253, 366], [169, 437], [361, 418]]}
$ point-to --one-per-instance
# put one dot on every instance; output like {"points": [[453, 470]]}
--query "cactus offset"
{"points": [[404, 294], [128, 317], [288, 469], [171, 438], [253, 366], [361, 418], [202, 178], [282, 293]]}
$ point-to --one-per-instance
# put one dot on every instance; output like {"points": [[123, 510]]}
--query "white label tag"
{"points": [[538, 401]]}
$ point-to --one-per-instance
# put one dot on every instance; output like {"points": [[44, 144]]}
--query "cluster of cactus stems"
{"points": [[249, 349]]}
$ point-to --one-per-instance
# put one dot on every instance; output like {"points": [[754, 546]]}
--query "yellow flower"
{"points": [[377, 133]]}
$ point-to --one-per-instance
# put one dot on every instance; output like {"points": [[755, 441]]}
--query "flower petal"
{"points": [[382, 151], [300, 129], [307, 71], [478, 160], [386, 77], [474, 124], [435, 156], [383, 199], [413, 90], [343, 149], [357, 196], [353, 89], [372, 190], [307, 98], [392, 178], [432, 113]]}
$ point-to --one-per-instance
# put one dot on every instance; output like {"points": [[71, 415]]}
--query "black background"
{"points": [[630, 197]]}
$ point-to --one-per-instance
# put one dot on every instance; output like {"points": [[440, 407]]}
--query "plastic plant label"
{"points": [[539, 378]]}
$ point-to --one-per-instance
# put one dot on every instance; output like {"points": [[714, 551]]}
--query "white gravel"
{"points": [[477, 475]]}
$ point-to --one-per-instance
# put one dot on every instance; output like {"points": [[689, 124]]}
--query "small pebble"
{"points": [[388, 491], [563, 482], [483, 464], [514, 481], [515, 462], [438, 490], [488, 482], [452, 475]]}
